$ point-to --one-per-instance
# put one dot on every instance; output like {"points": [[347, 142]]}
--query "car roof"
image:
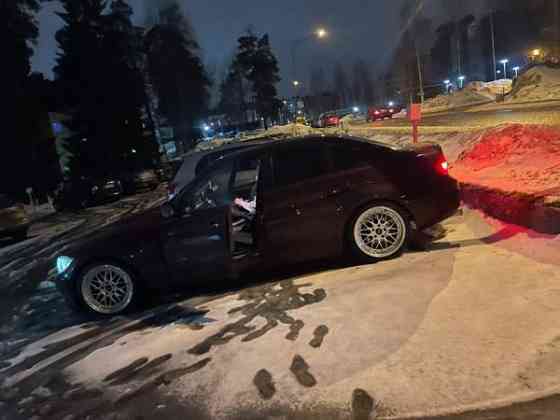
{"points": [[308, 139]]}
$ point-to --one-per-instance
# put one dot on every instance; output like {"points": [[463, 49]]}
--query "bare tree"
{"points": [[341, 86]]}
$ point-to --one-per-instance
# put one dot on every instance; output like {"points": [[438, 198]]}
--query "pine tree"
{"points": [[265, 76], [177, 73], [18, 31], [80, 73], [233, 93], [126, 125], [256, 64]]}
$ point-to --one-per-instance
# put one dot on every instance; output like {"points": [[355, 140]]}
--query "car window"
{"points": [[211, 190], [296, 164], [246, 177], [350, 155]]}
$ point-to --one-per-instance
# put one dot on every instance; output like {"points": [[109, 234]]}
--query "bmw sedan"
{"points": [[272, 204]]}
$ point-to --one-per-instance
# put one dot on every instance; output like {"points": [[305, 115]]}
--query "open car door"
{"points": [[197, 239]]}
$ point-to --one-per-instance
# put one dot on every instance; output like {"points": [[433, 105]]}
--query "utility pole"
{"points": [[557, 26], [420, 76], [493, 36]]}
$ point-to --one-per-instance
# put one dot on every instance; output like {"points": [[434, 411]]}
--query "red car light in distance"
{"points": [[376, 113]]}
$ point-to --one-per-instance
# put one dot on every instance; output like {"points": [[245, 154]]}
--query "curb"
{"points": [[513, 207]]}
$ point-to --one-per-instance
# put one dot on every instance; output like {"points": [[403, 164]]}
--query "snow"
{"points": [[522, 158], [474, 93], [540, 83]]}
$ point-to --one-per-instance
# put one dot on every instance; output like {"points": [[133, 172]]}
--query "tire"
{"points": [[379, 232], [107, 289]]}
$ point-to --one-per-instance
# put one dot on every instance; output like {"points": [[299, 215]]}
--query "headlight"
{"points": [[94, 189], [62, 264]]}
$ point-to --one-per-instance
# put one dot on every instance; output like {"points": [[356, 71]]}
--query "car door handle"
{"points": [[296, 209], [335, 191]]}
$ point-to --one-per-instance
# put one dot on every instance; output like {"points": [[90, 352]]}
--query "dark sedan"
{"points": [[273, 204]]}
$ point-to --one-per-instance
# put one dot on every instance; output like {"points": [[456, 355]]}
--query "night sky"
{"points": [[365, 29]]}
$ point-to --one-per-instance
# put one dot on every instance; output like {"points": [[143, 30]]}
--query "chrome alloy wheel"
{"points": [[107, 289], [380, 232]]}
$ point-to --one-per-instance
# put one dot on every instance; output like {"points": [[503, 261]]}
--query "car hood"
{"points": [[114, 238]]}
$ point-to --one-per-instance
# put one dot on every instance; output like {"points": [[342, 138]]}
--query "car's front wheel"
{"points": [[107, 289], [379, 232]]}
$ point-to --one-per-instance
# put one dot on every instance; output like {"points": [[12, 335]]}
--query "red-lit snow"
{"points": [[518, 158]]}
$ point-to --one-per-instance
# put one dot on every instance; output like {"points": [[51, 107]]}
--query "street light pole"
{"points": [[320, 33], [493, 44], [504, 62]]}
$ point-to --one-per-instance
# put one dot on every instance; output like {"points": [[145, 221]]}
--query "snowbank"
{"points": [[536, 84], [519, 158], [473, 93]]}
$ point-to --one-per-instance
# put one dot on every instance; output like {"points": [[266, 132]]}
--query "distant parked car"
{"points": [[330, 120], [85, 192], [143, 180], [13, 219], [375, 114]]}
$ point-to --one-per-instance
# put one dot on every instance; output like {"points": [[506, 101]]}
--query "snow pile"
{"points": [[497, 87], [536, 84], [473, 93], [514, 158]]}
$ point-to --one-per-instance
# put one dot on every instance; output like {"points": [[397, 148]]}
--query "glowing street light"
{"points": [[391, 103], [447, 84], [461, 80], [516, 70], [321, 33], [504, 62], [536, 52], [296, 83], [356, 109]]}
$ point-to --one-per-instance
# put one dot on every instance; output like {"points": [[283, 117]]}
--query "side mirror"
{"points": [[167, 211]]}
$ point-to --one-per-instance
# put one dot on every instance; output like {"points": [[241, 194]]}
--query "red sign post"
{"points": [[415, 116]]}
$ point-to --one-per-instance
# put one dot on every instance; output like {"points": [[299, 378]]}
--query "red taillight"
{"points": [[376, 112], [442, 166]]}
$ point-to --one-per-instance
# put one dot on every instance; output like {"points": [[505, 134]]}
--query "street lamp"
{"points": [[319, 33], [391, 104], [355, 109], [461, 80], [536, 52], [516, 70], [504, 62]]}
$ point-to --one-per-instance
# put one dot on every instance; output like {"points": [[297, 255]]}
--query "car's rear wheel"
{"points": [[107, 289], [380, 232]]}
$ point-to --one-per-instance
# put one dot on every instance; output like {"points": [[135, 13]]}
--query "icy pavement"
{"points": [[474, 320]]}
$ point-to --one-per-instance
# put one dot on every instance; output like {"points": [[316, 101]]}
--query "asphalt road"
{"points": [[288, 344], [480, 117]]}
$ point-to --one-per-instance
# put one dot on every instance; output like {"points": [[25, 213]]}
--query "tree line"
{"points": [[115, 83]]}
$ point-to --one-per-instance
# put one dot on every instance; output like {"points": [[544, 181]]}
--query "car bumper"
{"points": [[66, 284], [436, 207]]}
